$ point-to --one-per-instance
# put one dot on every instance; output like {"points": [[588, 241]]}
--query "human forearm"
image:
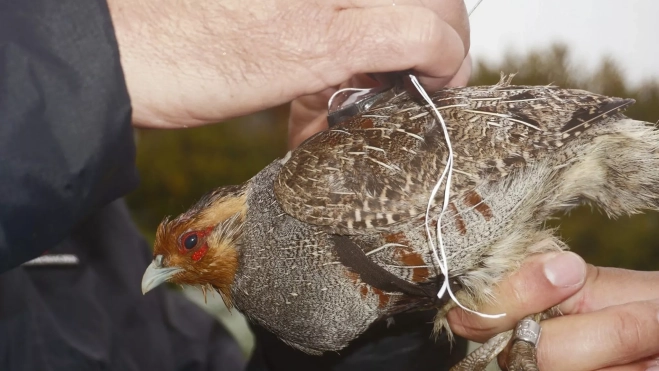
{"points": [[196, 63]]}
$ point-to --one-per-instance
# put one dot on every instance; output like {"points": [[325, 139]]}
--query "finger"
{"points": [[649, 364], [612, 286], [397, 39], [612, 336], [453, 12], [461, 78], [307, 117], [542, 282], [298, 137]]}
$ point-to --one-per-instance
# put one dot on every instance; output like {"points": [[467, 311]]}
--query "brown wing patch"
{"points": [[363, 290], [411, 258], [383, 298], [366, 124], [398, 238], [459, 222], [473, 199]]}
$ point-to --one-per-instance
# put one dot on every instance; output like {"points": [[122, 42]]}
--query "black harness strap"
{"points": [[353, 257]]}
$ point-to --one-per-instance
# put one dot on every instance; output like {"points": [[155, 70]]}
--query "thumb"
{"points": [[542, 282]]}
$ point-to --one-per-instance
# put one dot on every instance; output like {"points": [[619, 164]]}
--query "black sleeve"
{"points": [[403, 343], [66, 145]]}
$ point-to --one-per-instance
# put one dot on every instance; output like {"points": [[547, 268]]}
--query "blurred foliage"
{"points": [[179, 166]]}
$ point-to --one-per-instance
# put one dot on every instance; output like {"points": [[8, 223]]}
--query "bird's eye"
{"points": [[190, 241]]}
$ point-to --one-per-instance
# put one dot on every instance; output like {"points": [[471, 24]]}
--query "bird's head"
{"points": [[199, 247]]}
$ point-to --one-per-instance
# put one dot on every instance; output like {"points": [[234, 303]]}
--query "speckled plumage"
{"points": [[385, 163], [522, 153]]}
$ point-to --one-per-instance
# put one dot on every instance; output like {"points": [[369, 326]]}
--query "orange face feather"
{"points": [[199, 246]]}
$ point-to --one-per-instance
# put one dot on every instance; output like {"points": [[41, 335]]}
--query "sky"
{"points": [[628, 31]]}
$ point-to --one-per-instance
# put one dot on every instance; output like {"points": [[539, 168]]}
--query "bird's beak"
{"points": [[156, 274]]}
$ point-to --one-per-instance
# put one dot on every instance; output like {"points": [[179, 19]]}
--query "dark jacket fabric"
{"points": [[405, 343], [66, 159], [66, 144]]}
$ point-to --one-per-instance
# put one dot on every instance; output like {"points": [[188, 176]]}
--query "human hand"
{"points": [[611, 315], [193, 63]]}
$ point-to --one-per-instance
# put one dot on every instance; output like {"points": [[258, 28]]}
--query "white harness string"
{"points": [[447, 173]]}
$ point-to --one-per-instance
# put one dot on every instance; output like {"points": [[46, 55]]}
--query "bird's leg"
{"points": [[522, 356], [481, 357]]}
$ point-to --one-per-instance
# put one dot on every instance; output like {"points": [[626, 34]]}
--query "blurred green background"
{"points": [[178, 167]]}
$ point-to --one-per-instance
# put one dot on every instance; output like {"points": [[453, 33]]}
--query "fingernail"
{"points": [[653, 368], [565, 269]]}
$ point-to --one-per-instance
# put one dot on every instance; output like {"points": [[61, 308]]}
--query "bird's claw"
{"points": [[521, 357]]}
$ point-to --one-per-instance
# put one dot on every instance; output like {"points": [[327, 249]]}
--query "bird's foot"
{"points": [[522, 354], [481, 357], [522, 357]]}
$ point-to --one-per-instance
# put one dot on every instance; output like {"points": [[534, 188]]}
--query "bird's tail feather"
{"points": [[621, 173]]}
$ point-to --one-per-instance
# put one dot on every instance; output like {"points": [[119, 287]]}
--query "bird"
{"points": [[334, 236]]}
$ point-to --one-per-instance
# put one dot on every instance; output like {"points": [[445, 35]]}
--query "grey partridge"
{"points": [[331, 238]]}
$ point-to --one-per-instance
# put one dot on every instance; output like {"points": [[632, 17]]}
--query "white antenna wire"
{"points": [[354, 96], [448, 172], [475, 6]]}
